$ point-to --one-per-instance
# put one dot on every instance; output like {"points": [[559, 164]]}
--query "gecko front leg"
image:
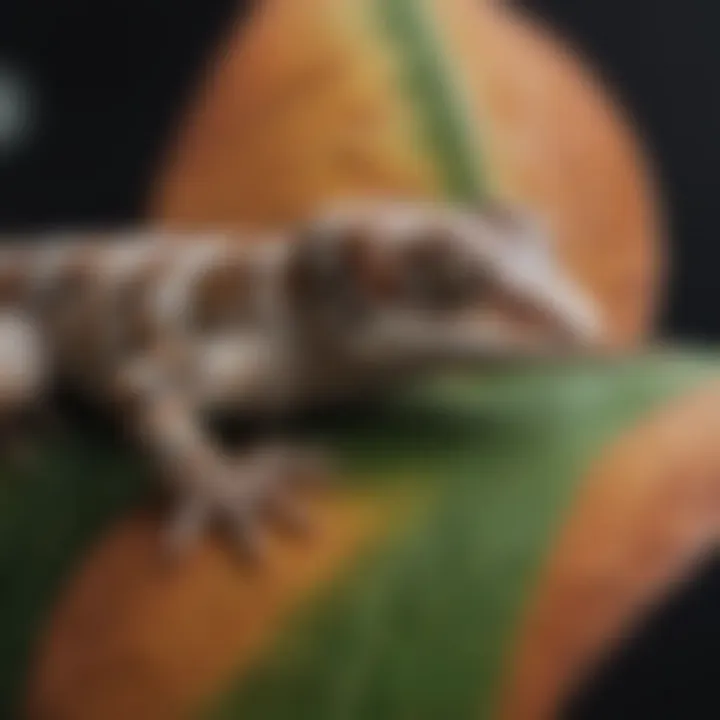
{"points": [[24, 377], [211, 488]]}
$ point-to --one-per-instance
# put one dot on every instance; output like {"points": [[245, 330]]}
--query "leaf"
{"points": [[420, 629], [416, 630]]}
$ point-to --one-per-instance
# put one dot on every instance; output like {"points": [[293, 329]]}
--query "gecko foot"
{"points": [[265, 487]]}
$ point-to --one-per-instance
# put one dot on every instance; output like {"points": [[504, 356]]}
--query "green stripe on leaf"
{"points": [[409, 26], [420, 629]]}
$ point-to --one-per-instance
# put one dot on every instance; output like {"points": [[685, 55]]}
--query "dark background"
{"points": [[106, 80], [662, 58]]}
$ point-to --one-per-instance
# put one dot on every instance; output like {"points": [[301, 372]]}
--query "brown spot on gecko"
{"points": [[377, 277], [224, 295], [14, 276], [137, 328], [343, 265]]}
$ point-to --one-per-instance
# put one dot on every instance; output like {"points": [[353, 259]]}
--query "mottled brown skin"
{"points": [[165, 330]]}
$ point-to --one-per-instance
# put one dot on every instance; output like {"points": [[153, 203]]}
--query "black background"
{"points": [[109, 79]]}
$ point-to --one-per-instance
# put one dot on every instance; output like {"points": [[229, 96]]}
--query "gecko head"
{"points": [[424, 282]]}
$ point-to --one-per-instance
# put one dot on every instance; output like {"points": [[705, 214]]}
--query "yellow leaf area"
{"points": [[305, 105], [132, 639]]}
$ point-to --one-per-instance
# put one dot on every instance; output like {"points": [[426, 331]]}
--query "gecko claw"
{"points": [[292, 517], [249, 541], [184, 530], [238, 500]]}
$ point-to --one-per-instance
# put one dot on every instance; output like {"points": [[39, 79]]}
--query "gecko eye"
{"points": [[329, 270], [439, 276]]}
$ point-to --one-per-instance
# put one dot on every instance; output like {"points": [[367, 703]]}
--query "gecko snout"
{"points": [[556, 314], [572, 315]]}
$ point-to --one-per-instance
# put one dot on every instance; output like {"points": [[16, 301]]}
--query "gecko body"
{"points": [[164, 329]]}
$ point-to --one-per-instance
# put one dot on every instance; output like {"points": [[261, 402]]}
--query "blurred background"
{"points": [[89, 92]]}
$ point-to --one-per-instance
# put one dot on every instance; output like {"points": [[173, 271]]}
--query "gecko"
{"points": [[163, 328]]}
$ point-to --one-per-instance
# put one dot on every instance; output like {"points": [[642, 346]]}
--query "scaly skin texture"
{"points": [[166, 331]]}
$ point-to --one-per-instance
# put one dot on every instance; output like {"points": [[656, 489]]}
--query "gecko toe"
{"points": [[245, 500], [292, 517], [185, 529], [250, 540]]}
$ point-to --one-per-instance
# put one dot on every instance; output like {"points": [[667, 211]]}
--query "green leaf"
{"points": [[428, 76], [419, 628], [416, 630]]}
